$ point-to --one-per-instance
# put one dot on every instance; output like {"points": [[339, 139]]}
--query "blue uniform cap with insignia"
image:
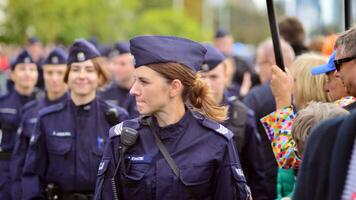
{"points": [[213, 58], [105, 50], [23, 57], [82, 50], [56, 57], [120, 48], [163, 49]]}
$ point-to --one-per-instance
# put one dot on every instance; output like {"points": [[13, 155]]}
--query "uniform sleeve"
{"points": [[18, 161], [278, 126], [33, 178], [103, 187], [230, 182]]}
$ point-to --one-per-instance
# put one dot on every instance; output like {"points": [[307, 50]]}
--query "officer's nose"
{"points": [[134, 89]]}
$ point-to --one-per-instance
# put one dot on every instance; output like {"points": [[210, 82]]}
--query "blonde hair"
{"points": [[196, 91], [308, 87], [103, 73], [311, 115]]}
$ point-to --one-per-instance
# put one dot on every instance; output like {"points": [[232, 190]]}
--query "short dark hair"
{"points": [[291, 29]]}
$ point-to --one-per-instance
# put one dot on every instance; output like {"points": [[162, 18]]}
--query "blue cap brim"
{"points": [[321, 69]]}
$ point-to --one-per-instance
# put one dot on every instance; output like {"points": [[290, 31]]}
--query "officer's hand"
{"points": [[281, 85]]}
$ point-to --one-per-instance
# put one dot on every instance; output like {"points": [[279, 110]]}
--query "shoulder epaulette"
{"points": [[217, 128], [51, 109], [116, 130], [29, 105]]}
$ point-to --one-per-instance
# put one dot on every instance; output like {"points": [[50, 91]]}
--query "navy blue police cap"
{"points": [[82, 50], [221, 33], [213, 58], [23, 57], [105, 50], [163, 49], [56, 57]]}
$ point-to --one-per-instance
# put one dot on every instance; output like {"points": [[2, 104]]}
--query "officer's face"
{"points": [[25, 75], [347, 74], [215, 79], [83, 78], [123, 67], [151, 91], [53, 76]]}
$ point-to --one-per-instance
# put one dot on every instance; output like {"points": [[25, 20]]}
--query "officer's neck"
{"points": [[170, 114], [79, 100], [24, 91], [52, 96]]}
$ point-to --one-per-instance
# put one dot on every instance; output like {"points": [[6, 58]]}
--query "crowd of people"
{"points": [[164, 117]]}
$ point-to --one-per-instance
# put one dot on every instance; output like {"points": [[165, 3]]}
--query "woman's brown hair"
{"points": [[195, 91], [103, 73]]}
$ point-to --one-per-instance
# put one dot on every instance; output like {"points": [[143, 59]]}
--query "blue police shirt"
{"points": [[26, 129], [10, 116], [66, 148], [202, 149], [120, 97], [251, 159]]}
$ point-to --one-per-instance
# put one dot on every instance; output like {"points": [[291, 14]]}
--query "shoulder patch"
{"points": [[217, 128], [51, 109], [116, 130]]}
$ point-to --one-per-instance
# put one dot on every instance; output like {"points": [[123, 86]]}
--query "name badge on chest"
{"points": [[61, 134]]}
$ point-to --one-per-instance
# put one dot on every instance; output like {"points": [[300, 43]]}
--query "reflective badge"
{"points": [[205, 67], [103, 166], [8, 111], [140, 159], [118, 129], [27, 60], [222, 129], [54, 60], [61, 134], [81, 57], [33, 120]]}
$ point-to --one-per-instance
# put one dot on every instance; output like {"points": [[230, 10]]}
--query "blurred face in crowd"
{"points": [[83, 78], [216, 79], [347, 74], [334, 86], [264, 62], [35, 50], [151, 90], [224, 44], [53, 76], [25, 77], [123, 68]]}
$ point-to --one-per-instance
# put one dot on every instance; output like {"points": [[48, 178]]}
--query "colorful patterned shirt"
{"points": [[278, 126]]}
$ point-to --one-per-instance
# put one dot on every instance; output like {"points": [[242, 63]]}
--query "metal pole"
{"points": [[275, 34], [348, 14]]}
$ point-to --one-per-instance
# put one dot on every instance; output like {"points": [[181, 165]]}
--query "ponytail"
{"points": [[196, 91]]}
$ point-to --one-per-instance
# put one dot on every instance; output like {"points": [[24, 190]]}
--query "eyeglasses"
{"points": [[339, 62]]}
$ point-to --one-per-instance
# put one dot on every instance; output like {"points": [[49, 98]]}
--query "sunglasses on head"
{"points": [[339, 62]]}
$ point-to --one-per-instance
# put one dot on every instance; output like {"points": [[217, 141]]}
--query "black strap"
{"points": [[167, 156]]}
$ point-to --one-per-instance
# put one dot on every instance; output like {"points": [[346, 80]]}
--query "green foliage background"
{"points": [[62, 21]]}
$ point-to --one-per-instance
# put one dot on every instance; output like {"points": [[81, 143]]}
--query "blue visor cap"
{"points": [[323, 69]]}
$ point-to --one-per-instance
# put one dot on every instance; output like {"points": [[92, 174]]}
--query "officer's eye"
{"points": [[143, 81], [90, 69]]}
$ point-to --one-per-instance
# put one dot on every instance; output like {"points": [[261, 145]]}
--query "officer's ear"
{"points": [[176, 88]]}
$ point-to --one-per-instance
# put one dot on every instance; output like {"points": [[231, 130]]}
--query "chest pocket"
{"points": [[198, 179], [134, 184], [59, 146]]}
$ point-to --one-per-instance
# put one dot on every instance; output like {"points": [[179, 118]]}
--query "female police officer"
{"points": [[24, 74], [180, 152], [66, 148]]}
